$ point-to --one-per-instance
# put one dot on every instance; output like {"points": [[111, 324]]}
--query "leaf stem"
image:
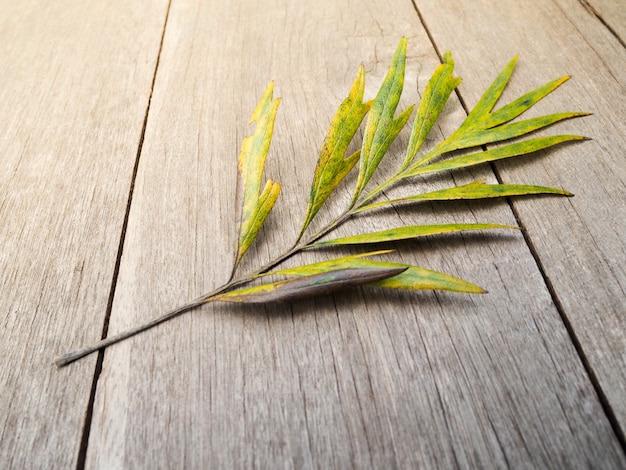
{"points": [[68, 358], [377, 190]]}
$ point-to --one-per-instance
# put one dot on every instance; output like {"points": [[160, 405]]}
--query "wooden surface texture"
{"points": [[120, 128]]}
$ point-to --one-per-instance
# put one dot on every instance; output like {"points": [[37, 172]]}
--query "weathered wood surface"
{"points": [[365, 379], [580, 242], [357, 380], [74, 85], [610, 12]]}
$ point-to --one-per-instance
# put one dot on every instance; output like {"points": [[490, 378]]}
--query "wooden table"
{"points": [[120, 127]]}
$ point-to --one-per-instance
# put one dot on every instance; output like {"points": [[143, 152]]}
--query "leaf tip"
{"points": [[510, 66], [361, 72], [269, 91], [400, 54], [404, 116], [265, 100], [358, 87], [472, 288]]}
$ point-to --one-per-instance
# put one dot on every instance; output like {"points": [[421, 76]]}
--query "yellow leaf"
{"points": [[253, 207]]}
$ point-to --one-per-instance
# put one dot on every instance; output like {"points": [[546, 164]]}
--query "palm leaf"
{"points": [[333, 165], [478, 137], [512, 150], [308, 286], [435, 96], [475, 190], [482, 126], [381, 127], [413, 278], [253, 207], [489, 99], [523, 103], [406, 233]]}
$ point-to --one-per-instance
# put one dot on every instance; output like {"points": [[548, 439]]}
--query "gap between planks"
{"points": [[84, 441], [602, 398], [593, 11]]}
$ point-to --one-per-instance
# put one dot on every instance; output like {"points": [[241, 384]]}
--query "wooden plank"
{"points": [[360, 379], [581, 242], [612, 13], [74, 85]]}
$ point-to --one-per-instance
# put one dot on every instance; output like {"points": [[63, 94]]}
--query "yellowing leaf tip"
{"points": [[265, 100], [358, 87]]}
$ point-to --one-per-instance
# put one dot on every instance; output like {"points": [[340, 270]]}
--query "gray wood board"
{"points": [[581, 241], [74, 86], [612, 13], [364, 378]]}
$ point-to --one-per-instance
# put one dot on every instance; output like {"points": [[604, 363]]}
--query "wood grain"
{"points": [[359, 379], [581, 242], [612, 13], [75, 78]]}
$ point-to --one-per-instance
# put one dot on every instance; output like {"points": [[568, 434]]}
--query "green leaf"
{"points": [[499, 153], [381, 128], [264, 206], [523, 103], [332, 165], [480, 137], [405, 233], [489, 99], [414, 278], [352, 261], [418, 278], [475, 190], [484, 126], [308, 286], [253, 208], [436, 95]]}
